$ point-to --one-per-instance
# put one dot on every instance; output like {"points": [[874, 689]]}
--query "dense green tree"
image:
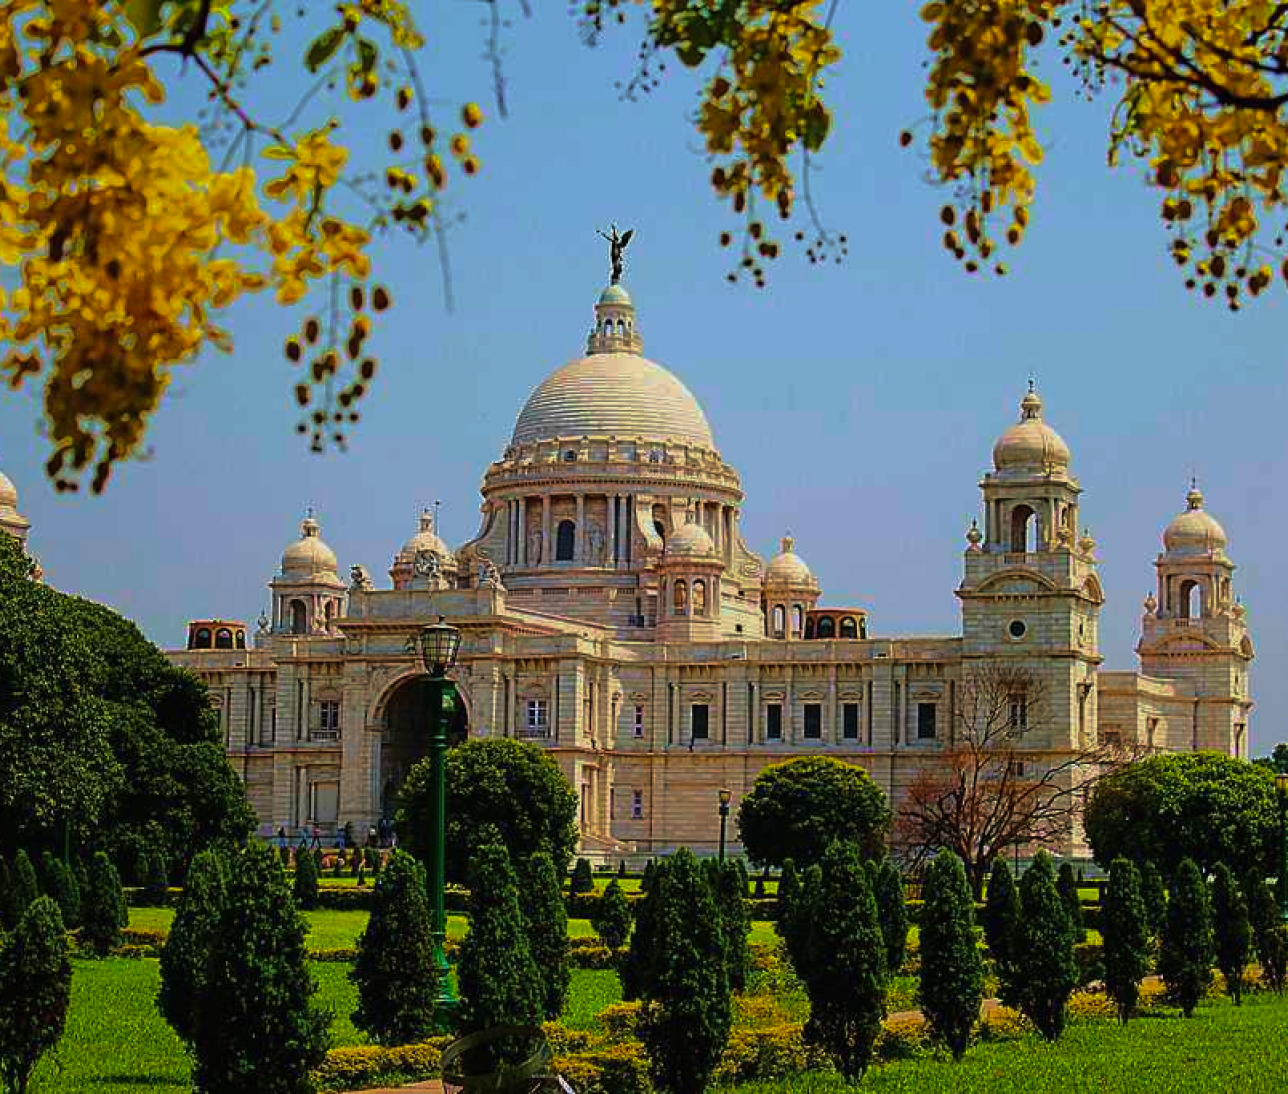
{"points": [[305, 883], [257, 979], [394, 968], [499, 982], [728, 881], [103, 912], [26, 888], [185, 955], [1066, 882], [646, 878], [1125, 930], [611, 917], [844, 972], [1154, 893], [796, 913], [1232, 933], [101, 734], [35, 990], [1001, 914], [496, 786], [1185, 956], [9, 912], [156, 881], [635, 966], [547, 919], [798, 807], [1204, 806], [1041, 972], [892, 912], [1277, 761], [688, 1008], [61, 886], [951, 987], [1269, 935], [583, 881]]}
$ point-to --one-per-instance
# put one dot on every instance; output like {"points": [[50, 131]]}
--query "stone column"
{"points": [[579, 544], [523, 531], [547, 546]]}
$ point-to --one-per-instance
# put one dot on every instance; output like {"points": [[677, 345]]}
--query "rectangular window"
{"points": [[538, 717], [926, 721], [638, 728], [774, 721], [637, 805], [813, 721], [850, 721], [700, 721], [330, 714], [1020, 714]]}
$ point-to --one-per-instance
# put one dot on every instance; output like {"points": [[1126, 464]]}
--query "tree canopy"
{"points": [[166, 218], [99, 732], [795, 809], [1205, 806]]}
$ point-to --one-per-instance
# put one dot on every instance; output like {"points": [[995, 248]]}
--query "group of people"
{"points": [[382, 835]]}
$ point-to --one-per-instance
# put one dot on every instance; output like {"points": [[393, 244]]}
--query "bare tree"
{"points": [[1003, 780]]}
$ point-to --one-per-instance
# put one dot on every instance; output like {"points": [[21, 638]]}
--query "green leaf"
{"points": [[323, 48], [144, 16]]}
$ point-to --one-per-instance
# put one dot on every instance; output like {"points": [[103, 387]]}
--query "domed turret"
{"points": [[427, 545], [1031, 445], [790, 591], [308, 555], [691, 541], [787, 570], [1194, 530], [11, 520]]}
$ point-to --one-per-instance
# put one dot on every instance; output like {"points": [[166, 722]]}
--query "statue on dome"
{"points": [[617, 245], [359, 579]]}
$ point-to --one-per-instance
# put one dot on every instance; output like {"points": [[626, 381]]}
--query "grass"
{"points": [[590, 992], [1222, 1048]]}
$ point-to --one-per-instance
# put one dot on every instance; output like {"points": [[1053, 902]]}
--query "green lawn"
{"points": [[1222, 1048]]}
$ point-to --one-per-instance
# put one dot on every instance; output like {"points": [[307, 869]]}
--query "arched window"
{"points": [[299, 617], [223, 639], [849, 628], [863, 628], [1023, 529], [809, 628], [1191, 599], [681, 598], [780, 621], [565, 541], [699, 597], [827, 627], [798, 619], [241, 640], [202, 641]]}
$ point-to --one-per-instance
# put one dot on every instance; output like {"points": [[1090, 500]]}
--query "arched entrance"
{"points": [[404, 740]]}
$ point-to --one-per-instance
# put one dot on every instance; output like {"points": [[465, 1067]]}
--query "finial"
{"points": [[617, 245], [788, 544], [1194, 499], [1032, 382], [437, 503], [973, 535], [309, 525]]}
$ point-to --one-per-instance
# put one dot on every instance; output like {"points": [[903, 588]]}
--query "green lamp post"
{"points": [[1281, 786], [725, 796], [437, 645]]}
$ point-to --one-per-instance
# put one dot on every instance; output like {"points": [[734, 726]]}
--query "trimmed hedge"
{"points": [[370, 1065]]}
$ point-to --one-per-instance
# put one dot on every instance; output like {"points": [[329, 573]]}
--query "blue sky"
{"points": [[859, 402]]}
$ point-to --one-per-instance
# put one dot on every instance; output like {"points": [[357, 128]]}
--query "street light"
{"points": [[1281, 785], [725, 796], [437, 645]]}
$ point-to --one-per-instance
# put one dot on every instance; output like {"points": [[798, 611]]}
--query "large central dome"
{"points": [[615, 395]]}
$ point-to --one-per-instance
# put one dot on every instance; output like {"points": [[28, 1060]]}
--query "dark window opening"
{"points": [[202, 641], [813, 721], [299, 617], [241, 640], [848, 629], [565, 541], [809, 629], [926, 713], [850, 721], [700, 721], [826, 627], [223, 639], [1023, 529], [774, 722]]}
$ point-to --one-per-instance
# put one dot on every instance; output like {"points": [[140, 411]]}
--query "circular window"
{"points": [[1016, 628]]}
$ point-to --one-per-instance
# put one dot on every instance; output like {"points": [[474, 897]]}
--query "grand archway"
{"points": [[404, 738]]}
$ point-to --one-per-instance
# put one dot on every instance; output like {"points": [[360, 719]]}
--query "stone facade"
{"points": [[612, 612]]}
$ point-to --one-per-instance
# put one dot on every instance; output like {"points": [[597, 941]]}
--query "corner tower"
{"points": [[1195, 630], [1030, 592]]}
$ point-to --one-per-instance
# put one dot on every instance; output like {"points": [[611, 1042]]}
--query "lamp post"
{"points": [[1281, 787], [725, 796], [437, 645]]}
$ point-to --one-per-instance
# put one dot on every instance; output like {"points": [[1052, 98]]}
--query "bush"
{"points": [[1154, 894], [1233, 933], [1126, 933], [363, 1066], [892, 912], [186, 949], [256, 978], [103, 912], [583, 881], [9, 914], [395, 973], [611, 1069], [1269, 935], [729, 884], [25, 886], [156, 880], [65, 892], [1066, 884], [499, 982], [547, 928], [798, 807], [1042, 972], [1185, 958], [952, 973], [612, 918], [35, 990], [1001, 915], [305, 883]]}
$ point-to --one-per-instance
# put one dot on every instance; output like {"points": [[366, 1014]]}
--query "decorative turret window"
{"points": [[699, 597], [849, 629], [827, 627], [299, 617], [223, 639], [565, 541]]}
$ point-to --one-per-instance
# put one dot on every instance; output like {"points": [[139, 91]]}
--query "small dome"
{"points": [[788, 569], [616, 294], [691, 541], [1195, 529], [1030, 444], [308, 555], [8, 493], [424, 540]]}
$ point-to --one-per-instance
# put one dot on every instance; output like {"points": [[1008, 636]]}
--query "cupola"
{"points": [[1030, 445]]}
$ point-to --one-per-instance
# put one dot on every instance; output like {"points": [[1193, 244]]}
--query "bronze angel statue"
{"points": [[616, 249]]}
